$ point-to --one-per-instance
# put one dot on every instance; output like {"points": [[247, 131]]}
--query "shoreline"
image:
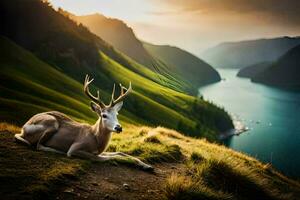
{"points": [[238, 129]]}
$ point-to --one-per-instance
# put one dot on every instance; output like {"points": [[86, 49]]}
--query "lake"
{"points": [[271, 114]]}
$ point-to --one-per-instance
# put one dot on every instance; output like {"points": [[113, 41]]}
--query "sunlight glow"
{"points": [[194, 25]]}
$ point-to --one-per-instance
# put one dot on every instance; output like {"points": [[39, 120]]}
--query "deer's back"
{"points": [[67, 131]]}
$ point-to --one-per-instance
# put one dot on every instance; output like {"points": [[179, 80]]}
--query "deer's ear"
{"points": [[118, 106], [95, 107]]}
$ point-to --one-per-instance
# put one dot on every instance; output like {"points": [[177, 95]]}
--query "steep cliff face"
{"points": [[285, 72]]}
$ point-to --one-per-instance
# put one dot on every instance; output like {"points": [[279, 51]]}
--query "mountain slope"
{"points": [[122, 37], [246, 53], [118, 34], [253, 70], [285, 72], [190, 67], [72, 50], [172, 62]]}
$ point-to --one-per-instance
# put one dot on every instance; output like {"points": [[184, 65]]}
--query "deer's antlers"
{"points": [[86, 84], [123, 94]]}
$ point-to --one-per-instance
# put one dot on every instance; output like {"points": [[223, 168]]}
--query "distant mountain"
{"points": [[253, 70], [172, 62], [190, 67], [246, 53], [118, 34], [284, 73]]}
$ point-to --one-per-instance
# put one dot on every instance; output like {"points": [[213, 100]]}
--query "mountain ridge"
{"points": [[285, 72], [249, 52]]}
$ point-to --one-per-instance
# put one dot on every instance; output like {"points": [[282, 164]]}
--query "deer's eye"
{"points": [[104, 116]]}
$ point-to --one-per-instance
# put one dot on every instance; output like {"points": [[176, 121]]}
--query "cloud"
{"points": [[284, 12], [197, 24]]}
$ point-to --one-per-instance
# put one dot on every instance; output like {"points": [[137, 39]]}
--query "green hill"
{"points": [[69, 51], [188, 66], [29, 85], [285, 72], [245, 53]]}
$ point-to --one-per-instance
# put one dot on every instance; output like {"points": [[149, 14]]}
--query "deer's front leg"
{"points": [[90, 156], [76, 150], [136, 160], [49, 149]]}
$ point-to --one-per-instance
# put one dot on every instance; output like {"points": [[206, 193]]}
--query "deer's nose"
{"points": [[118, 128]]}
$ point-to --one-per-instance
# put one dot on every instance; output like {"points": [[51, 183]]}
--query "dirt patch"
{"points": [[29, 174], [105, 181]]}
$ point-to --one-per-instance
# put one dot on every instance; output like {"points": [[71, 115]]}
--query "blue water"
{"points": [[272, 116]]}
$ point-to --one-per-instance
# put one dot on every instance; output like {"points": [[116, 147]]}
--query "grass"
{"points": [[211, 171], [147, 148], [181, 187], [40, 90], [162, 76]]}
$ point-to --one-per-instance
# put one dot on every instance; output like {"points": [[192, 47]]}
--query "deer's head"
{"points": [[107, 113]]}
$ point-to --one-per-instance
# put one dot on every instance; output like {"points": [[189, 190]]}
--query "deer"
{"points": [[54, 131]]}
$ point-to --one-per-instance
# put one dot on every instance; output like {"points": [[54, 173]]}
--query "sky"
{"points": [[196, 25]]}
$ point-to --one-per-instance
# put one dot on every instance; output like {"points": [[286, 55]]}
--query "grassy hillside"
{"points": [[245, 53], [285, 72], [204, 170], [29, 85], [183, 63]]}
